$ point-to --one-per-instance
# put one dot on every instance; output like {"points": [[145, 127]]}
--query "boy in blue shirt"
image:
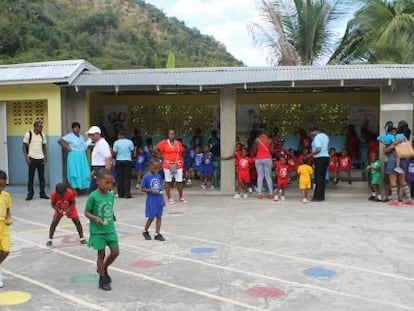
{"points": [[151, 184]]}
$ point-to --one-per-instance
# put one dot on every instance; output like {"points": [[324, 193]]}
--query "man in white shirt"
{"points": [[101, 154], [35, 154]]}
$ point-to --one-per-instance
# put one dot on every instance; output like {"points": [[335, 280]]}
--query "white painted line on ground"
{"points": [[271, 253], [56, 291], [151, 279], [298, 284]]}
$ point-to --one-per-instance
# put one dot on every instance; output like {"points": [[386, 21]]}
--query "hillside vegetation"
{"points": [[110, 34]]}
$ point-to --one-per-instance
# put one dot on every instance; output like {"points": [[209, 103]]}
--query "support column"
{"points": [[227, 137]]}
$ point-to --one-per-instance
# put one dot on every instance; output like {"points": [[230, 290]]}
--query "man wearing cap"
{"points": [[320, 153], [101, 154], [35, 153]]}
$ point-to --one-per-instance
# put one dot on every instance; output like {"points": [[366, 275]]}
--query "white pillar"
{"points": [[227, 137]]}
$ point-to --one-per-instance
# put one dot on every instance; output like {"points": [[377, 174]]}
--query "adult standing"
{"points": [[171, 151], [77, 167], [101, 155], [123, 148], [320, 153], [263, 149], [398, 179], [35, 152]]}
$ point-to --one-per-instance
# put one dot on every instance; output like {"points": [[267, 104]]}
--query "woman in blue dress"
{"points": [[77, 163]]}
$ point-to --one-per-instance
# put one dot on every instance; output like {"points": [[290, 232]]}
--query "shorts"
{"points": [[305, 185], [100, 241], [154, 211], [72, 214], [376, 179], [198, 169], [207, 170], [243, 177], [333, 168], [391, 164], [139, 167], [5, 243], [177, 176], [282, 183]]}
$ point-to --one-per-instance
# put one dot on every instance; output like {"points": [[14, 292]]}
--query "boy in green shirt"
{"points": [[99, 210], [376, 176]]}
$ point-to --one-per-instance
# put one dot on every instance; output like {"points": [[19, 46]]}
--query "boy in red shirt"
{"points": [[282, 173], [333, 164], [63, 202], [345, 164]]}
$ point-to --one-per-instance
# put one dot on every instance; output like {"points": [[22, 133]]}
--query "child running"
{"points": [[100, 212], [152, 185], [376, 176], [305, 172], [5, 221], [63, 202], [282, 173]]}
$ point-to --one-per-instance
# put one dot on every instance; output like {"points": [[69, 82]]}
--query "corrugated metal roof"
{"points": [[64, 71], [239, 75]]}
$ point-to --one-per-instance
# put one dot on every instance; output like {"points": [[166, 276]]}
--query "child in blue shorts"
{"points": [[208, 167], [198, 164], [152, 185]]}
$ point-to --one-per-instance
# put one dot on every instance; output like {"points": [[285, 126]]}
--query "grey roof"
{"points": [[215, 76], [64, 71]]}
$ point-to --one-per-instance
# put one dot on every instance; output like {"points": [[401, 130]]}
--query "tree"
{"points": [[298, 32], [382, 31]]}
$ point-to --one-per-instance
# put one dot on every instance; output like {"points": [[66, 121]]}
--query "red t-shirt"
{"points": [[171, 154], [263, 148], [64, 202], [293, 166], [345, 163], [333, 163], [282, 170], [243, 163]]}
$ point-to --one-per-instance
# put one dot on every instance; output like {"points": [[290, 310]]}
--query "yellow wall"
{"points": [[44, 92]]}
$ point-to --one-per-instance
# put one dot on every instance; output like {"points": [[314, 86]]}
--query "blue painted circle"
{"points": [[203, 250], [319, 273]]}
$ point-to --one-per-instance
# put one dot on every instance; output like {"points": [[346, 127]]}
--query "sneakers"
{"points": [[276, 198], [137, 186], [399, 170], [159, 237], [189, 182], [212, 187], [371, 198], [171, 201], [237, 196], [49, 242], [270, 196], [305, 201], [259, 196], [245, 196], [203, 186], [146, 235], [182, 200], [283, 198], [104, 283], [250, 190], [44, 196], [83, 241]]}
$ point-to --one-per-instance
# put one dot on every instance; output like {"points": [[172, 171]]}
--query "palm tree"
{"points": [[382, 31], [298, 32]]}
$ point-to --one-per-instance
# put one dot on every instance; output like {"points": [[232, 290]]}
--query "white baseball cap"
{"points": [[94, 130]]}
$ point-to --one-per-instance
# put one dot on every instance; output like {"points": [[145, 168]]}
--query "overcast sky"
{"points": [[225, 20]]}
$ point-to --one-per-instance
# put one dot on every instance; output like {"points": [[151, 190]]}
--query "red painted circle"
{"points": [[265, 292], [146, 264]]}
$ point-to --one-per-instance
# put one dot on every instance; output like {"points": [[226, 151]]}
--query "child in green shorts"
{"points": [[99, 210], [376, 176]]}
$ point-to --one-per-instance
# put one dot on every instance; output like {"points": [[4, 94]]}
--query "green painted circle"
{"points": [[84, 278]]}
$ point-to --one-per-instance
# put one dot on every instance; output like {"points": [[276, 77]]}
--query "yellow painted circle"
{"points": [[14, 298]]}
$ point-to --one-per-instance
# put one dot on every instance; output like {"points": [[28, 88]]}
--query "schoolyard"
{"points": [[346, 253]]}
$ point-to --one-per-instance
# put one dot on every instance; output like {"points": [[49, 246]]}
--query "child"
{"points": [[304, 172], [152, 185], [333, 164], [63, 202], [5, 221], [282, 173], [375, 168], [139, 164], [189, 155], [207, 166], [198, 164], [345, 164], [293, 165], [100, 212], [388, 138], [243, 163]]}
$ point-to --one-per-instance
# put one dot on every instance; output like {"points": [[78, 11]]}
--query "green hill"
{"points": [[110, 34]]}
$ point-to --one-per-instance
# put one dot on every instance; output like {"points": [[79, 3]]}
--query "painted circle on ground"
{"points": [[146, 264], [85, 278], [14, 298], [320, 273], [203, 250], [265, 292]]}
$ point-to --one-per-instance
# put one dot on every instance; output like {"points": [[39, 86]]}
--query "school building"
{"points": [[232, 99]]}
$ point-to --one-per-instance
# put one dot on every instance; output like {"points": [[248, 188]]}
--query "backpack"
{"points": [[30, 140]]}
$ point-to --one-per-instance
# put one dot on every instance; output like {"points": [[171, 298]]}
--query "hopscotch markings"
{"points": [[271, 253], [43, 229], [297, 284], [151, 279], [56, 291]]}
